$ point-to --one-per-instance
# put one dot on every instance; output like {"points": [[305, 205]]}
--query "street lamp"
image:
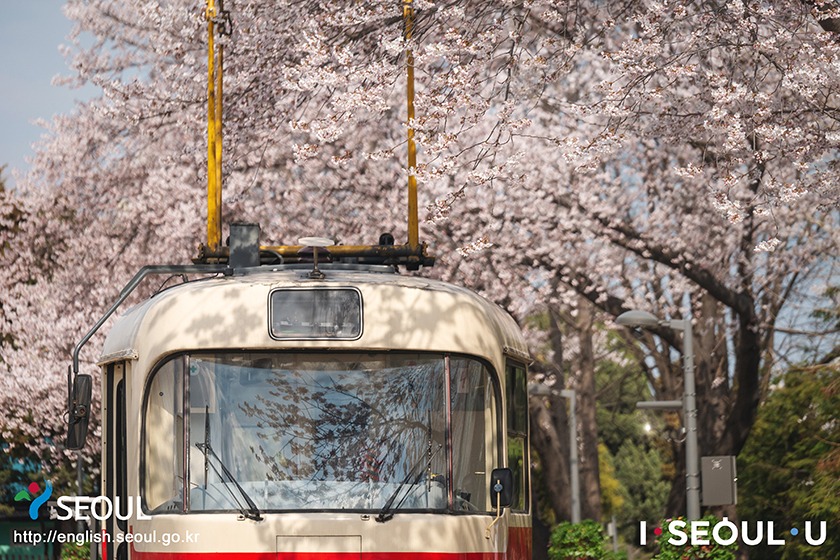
{"points": [[637, 318]]}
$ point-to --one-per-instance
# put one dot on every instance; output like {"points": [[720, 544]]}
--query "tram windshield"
{"points": [[314, 431]]}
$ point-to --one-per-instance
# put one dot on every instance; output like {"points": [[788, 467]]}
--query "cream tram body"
{"points": [[270, 415]]}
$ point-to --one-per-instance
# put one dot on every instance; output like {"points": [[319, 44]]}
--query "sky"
{"points": [[30, 34]]}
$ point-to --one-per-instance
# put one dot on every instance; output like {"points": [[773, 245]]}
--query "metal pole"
{"points": [[79, 474], [413, 223], [80, 525], [217, 125], [574, 466], [636, 318], [214, 212], [692, 458], [128, 289]]}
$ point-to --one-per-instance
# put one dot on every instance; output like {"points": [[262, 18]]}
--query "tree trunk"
{"points": [[590, 483], [550, 432], [549, 437]]}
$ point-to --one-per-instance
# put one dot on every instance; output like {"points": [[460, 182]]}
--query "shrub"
{"points": [[72, 551], [580, 541], [712, 551]]}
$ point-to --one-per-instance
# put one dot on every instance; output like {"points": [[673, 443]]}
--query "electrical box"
{"points": [[719, 480], [244, 245]]}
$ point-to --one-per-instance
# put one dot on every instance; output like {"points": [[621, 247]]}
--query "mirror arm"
{"points": [[77, 412], [498, 489], [131, 286]]}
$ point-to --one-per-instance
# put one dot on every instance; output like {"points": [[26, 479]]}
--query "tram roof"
{"points": [[231, 312]]}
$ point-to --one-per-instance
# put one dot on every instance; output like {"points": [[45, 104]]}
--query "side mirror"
{"points": [[501, 488], [77, 423]]}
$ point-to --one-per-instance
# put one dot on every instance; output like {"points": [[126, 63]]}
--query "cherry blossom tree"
{"points": [[677, 158], [694, 174]]}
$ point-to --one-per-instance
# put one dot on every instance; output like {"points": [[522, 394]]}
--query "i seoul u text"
{"points": [[725, 532]]}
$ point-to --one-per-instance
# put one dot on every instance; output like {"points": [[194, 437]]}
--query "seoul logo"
{"points": [[725, 532], [31, 495]]}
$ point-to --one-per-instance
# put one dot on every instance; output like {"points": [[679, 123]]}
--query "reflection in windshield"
{"points": [[339, 432]]}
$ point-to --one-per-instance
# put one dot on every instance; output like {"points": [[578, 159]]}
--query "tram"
{"points": [[354, 413], [308, 402]]}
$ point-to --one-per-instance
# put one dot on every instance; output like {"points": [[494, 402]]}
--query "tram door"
{"points": [[114, 464], [519, 531]]}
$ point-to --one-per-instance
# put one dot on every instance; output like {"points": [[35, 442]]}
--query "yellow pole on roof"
{"points": [[413, 224], [214, 145], [218, 140]]}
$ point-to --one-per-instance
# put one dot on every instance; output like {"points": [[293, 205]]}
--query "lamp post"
{"points": [[637, 318]]}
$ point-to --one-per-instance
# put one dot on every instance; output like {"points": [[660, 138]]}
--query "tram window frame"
{"points": [[111, 450], [493, 450], [179, 366], [121, 447], [357, 313], [516, 408]]}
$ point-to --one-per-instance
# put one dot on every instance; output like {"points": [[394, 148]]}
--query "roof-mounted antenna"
{"points": [[315, 243]]}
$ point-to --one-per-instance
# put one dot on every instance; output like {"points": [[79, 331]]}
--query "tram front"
{"points": [[269, 415]]}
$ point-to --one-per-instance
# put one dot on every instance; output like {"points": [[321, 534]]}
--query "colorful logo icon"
{"points": [[38, 501]]}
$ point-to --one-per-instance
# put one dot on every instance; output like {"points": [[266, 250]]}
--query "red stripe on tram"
{"points": [[519, 548], [317, 555]]}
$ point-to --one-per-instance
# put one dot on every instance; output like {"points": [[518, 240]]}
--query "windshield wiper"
{"points": [[385, 514], [253, 512]]}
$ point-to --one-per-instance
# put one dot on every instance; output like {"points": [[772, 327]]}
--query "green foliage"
{"points": [[580, 541], [628, 454], [72, 551], [713, 551], [612, 496], [20, 466], [830, 314], [639, 469], [17, 470], [789, 471], [619, 388]]}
